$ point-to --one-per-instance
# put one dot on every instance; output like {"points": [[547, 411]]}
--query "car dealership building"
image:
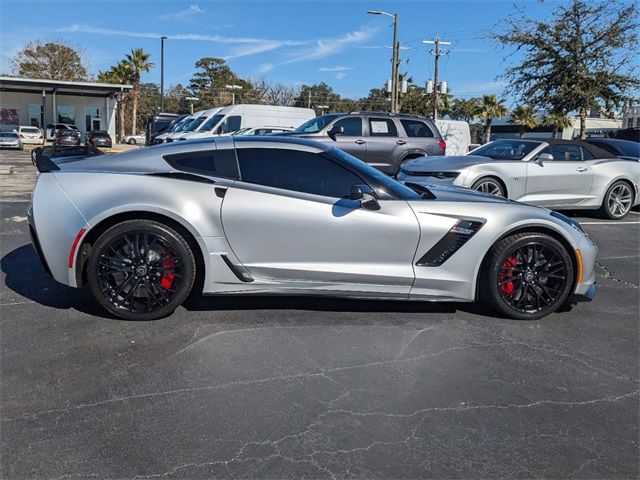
{"points": [[40, 102]]}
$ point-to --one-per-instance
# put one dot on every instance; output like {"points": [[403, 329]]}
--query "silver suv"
{"points": [[383, 140]]}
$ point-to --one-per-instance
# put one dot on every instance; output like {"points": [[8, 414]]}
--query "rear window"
{"points": [[221, 163], [416, 128], [30, 130]]}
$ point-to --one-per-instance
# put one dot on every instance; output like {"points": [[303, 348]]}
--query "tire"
{"points": [[617, 201], [490, 185], [132, 141], [526, 276], [140, 270]]}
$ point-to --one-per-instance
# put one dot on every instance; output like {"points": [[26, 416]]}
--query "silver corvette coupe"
{"points": [[558, 174], [276, 215]]}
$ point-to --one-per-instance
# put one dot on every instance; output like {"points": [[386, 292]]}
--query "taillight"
{"points": [[443, 144]]}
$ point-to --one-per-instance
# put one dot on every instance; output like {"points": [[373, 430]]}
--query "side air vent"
{"points": [[455, 238], [190, 177]]}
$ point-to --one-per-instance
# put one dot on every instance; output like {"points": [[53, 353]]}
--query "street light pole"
{"points": [[233, 89], [395, 91], [162, 39]]}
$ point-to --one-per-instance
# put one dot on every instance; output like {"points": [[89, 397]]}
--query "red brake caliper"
{"points": [[167, 277], [507, 268]]}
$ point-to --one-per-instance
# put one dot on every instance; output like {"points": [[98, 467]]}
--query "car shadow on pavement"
{"points": [[26, 277]]}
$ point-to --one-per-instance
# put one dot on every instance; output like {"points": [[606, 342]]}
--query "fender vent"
{"points": [[455, 238]]}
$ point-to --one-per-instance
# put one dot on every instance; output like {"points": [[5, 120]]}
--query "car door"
{"points": [[563, 181], [383, 143], [351, 140], [289, 220]]}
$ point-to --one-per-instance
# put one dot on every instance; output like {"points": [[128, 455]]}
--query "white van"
{"points": [[456, 134], [234, 117], [193, 122], [175, 127], [209, 120]]}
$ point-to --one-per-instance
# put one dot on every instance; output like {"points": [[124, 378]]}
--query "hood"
{"points": [[459, 194], [443, 164]]}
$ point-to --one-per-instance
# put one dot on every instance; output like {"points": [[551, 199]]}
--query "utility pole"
{"points": [[162, 39], [309, 99], [395, 93], [436, 86]]}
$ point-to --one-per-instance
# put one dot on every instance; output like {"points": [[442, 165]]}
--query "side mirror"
{"points": [[333, 131], [364, 194], [543, 157]]}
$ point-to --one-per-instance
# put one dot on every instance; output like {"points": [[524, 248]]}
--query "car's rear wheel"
{"points": [[132, 141], [617, 201], [527, 276], [140, 270], [489, 185]]}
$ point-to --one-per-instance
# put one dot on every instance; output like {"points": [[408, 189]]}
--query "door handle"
{"points": [[401, 142], [359, 142], [582, 169]]}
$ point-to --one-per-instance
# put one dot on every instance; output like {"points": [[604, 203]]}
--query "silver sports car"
{"points": [[558, 174], [278, 215]]}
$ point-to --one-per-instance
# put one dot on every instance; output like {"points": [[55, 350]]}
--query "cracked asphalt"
{"points": [[262, 387]]}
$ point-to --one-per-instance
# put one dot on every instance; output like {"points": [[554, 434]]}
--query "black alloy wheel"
{"points": [[140, 270], [527, 276]]}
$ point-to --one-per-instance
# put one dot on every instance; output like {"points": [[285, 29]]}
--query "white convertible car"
{"points": [[557, 174]]}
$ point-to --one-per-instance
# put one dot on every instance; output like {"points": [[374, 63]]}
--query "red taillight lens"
{"points": [[443, 144]]}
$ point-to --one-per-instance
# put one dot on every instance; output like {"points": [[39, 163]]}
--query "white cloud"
{"points": [[252, 49], [192, 10], [341, 75], [265, 67], [334, 69]]}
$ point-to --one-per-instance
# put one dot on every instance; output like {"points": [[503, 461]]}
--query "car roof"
{"points": [[282, 140], [592, 149]]}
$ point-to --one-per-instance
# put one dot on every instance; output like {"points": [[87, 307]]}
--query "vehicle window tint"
{"points": [[382, 127], [221, 163], [297, 171], [566, 153], [607, 147], [352, 126], [416, 128], [586, 154]]}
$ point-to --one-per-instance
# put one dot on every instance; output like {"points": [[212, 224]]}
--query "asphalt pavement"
{"points": [[280, 387]]}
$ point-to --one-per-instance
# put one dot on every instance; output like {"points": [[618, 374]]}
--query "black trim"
{"points": [[220, 192], [243, 277], [36, 245], [44, 164], [455, 238], [189, 177]]}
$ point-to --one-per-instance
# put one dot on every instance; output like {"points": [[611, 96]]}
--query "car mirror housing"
{"points": [[333, 131], [364, 193], [543, 157]]}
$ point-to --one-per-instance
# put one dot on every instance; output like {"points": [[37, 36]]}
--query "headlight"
{"points": [[569, 220]]}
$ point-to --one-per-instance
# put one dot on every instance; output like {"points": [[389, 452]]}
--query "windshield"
{"points": [[9, 135], [385, 187], [316, 124], [506, 149], [212, 122], [193, 124], [176, 126]]}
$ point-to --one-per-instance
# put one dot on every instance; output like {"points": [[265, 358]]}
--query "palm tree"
{"points": [[138, 62], [525, 116], [558, 121], [491, 108], [120, 73]]}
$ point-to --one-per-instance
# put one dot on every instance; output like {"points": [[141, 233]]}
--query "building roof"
{"points": [[36, 85]]}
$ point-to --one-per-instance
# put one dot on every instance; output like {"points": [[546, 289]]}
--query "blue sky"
{"points": [[292, 42]]}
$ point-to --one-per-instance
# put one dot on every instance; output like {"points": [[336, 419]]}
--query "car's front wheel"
{"points": [[132, 141], [617, 201], [140, 270], [489, 185], [527, 276]]}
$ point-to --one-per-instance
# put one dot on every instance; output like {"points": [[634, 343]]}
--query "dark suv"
{"points": [[383, 140]]}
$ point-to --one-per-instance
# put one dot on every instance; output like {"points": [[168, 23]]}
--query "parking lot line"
{"points": [[610, 223]]}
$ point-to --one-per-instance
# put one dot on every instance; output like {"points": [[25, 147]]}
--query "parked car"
{"points": [[30, 135], [332, 225], [157, 125], [558, 174], [10, 140], [98, 138], [234, 117], [175, 126], [138, 139], [52, 128], [617, 147], [385, 141], [67, 137], [262, 130]]}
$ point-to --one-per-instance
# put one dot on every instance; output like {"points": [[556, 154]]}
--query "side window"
{"points": [[382, 127], [416, 128], [297, 171], [586, 154], [221, 163], [566, 153], [352, 126], [230, 124]]}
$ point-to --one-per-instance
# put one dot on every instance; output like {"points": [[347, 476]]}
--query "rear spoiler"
{"points": [[42, 157]]}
